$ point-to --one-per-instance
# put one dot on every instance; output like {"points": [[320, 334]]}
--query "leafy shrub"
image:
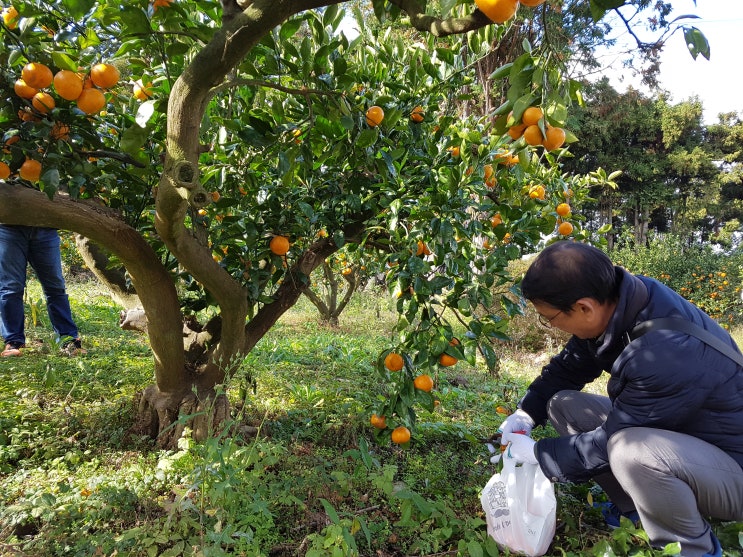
{"points": [[708, 279]]}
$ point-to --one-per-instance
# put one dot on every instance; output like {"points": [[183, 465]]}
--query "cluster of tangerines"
{"points": [[535, 131], [713, 292], [563, 210], [394, 362], [500, 11], [34, 86], [86, 91]]}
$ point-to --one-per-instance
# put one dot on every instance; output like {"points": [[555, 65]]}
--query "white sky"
{"points": [[718, 81]]}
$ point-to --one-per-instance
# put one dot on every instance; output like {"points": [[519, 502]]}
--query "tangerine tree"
{"points": [[211, 143]]}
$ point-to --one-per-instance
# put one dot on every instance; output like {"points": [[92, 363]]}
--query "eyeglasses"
{"points": [[547, 321]]}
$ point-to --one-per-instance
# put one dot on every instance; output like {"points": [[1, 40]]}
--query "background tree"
{"points": [[667, 171]]}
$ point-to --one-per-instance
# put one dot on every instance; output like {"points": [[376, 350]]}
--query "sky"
{"points": [[718, 82]]}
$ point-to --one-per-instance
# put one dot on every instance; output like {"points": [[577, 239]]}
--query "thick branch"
{"points": [[437, 26]]}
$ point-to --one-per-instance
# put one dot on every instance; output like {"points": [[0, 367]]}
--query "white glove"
{"points": [[520, 422], [495, 453], [521, 449]]}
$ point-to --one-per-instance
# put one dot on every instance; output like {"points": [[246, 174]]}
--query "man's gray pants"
{"points": [[674, 481]]}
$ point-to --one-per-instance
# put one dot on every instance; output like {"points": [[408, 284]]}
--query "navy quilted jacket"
{"points": [[665, 379]]}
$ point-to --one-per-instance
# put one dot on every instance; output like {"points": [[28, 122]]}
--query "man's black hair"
{"points": [[567, 271]]}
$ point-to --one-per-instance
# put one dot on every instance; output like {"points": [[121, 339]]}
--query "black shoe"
{"points": [[73, 348]]}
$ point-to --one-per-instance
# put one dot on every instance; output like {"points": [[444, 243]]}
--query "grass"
{"points": [[300, 473]]}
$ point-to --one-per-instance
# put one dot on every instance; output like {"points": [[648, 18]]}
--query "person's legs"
{"points": [[46, 260], [675, 481], [13, 260], [572, 412]]}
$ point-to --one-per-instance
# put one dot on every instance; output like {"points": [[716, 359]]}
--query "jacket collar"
{"points": [[633, 297]]}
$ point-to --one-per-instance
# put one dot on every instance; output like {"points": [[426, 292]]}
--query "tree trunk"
{"points": [[329, 308]]}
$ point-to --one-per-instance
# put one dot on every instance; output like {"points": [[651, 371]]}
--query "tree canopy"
{"points": [[232, 124]]}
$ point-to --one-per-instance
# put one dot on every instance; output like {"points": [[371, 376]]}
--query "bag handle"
{"points": [[684, 326]]}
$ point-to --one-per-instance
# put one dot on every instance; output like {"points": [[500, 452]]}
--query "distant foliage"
{"points": [[709, 279]]}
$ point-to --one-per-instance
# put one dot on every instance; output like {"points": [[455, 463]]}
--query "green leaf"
{"points": [[330, 511], [474, 548], [366, 138], [290, 28], [503, 71], [63, 62], [696, 42], [339, 238], [78, 8], [50, 181], [447, 6], [330, 15], [600, 7], [492, 547], [133, 21], [133, 138]]}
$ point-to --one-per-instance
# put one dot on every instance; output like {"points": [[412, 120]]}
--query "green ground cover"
{"points": [[299, 472]]}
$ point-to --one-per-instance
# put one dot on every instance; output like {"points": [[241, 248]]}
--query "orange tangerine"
{"points": [[43, 102], [37, 75], [104, 76], [23, 90], [142, 92], [563, 209], [446, 360], [498, 11], [400, 435], [423, 382], [68, 84], [279, 245], [565, 229], [554, 138], [380, 422], [91, 100], [533, 135], [532, 115], [30, 170], [374, 116], [393, 361]]}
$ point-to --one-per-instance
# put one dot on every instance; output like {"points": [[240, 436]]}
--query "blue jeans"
{"points": [[19, 246]]}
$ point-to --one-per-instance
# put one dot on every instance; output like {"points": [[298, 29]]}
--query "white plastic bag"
{"points": [[520, 508]]}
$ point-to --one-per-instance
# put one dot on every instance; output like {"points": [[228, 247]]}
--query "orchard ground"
{"points": [[300, 473]]}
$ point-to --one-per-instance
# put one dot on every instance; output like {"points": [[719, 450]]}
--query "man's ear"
{"points": [[593, 313], [587, 307]]}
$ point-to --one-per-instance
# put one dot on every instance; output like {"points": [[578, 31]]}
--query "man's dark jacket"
{"points": [[664, 379]]}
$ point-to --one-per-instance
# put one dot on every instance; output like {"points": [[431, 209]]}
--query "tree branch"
{"points": [[441, 27]]}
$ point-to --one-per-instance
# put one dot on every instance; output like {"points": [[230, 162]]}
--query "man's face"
{"points": [[586, 318]]}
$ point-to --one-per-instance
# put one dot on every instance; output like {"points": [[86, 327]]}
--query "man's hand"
{"points": [[521, 449], [518, 421]]}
